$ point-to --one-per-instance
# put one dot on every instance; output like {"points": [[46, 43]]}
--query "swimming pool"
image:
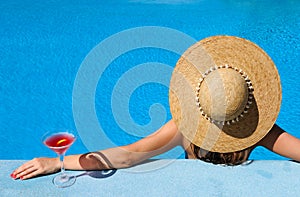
{"points": [[44, 45]]}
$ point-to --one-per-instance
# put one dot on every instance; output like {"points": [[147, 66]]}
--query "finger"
{"points": [[26, 172], [24, 166], [21, 169], [31, 174]]}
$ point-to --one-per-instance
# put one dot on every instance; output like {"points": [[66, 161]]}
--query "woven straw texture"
{"points": [[262, 113]]}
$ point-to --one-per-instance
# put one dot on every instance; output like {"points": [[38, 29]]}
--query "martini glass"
{"points": [[60, 142]]}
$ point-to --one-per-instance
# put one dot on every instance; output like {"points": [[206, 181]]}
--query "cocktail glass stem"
{"points": [[63, 180], [62, 168]]}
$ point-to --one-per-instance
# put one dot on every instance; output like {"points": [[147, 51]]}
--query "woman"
{"points": [[225, 96]]}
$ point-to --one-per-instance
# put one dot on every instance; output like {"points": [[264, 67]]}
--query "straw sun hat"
{"points": [[225, 94]]}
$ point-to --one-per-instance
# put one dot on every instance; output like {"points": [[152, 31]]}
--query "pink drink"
{"points": [[59, 142]]}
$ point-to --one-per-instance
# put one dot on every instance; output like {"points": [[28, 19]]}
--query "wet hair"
{"points": [[232, 158]]}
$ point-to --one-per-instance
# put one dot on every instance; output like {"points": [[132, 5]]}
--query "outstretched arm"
{"points": [[164, 139], [282, 143]]}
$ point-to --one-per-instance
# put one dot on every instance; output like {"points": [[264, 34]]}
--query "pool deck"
{"points": [[165, 178]]}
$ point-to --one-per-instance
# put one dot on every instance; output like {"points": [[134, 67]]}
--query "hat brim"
{"points": [[237, 52]]}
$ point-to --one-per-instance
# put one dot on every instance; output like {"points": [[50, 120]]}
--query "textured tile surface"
{"points": [[165, 178]]}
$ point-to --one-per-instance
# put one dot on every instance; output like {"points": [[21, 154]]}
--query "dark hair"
{"points": [[232, 158]]}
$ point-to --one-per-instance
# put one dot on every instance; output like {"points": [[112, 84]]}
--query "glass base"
{"points": [[63, 180]]}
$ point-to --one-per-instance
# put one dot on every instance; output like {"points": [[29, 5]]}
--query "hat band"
{"points": [[247, 106]]}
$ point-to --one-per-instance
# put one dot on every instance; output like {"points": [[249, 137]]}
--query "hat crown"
{"points": [[223, 94]]}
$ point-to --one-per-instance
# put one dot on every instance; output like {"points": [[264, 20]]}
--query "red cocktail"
{"points": [[60, 142]]}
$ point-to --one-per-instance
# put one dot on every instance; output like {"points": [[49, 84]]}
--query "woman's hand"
{"points": [[35, 167]]}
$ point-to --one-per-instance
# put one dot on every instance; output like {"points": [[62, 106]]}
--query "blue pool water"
{"points": [[44, 46]]}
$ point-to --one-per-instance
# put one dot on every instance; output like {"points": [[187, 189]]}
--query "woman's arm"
{"points": [[164, 139], [282, 143]]}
